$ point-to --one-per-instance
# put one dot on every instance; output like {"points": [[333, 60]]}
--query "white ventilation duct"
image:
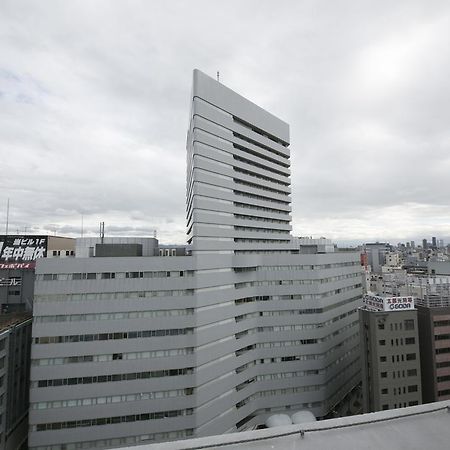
{"points": [[303, 417], [278, 420]]}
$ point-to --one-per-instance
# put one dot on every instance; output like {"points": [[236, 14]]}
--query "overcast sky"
{"points": [[94, 105]]}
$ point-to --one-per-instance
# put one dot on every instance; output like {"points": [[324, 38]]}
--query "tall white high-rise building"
{"points": [[251, 322], [238, 180]]}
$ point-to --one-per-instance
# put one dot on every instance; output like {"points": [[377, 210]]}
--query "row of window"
{"points": [[120, 442], [290, 312], [260, 208], [264, 241], [261, 230], [112, 275], [66, 252], [407, 323], [264, 147], [394, 358], [440, 351], [307, 282], [301, 341], [285, 391], [260, 186], [247, 284], [260, 252], [111, 336], [111, 378], [112, 295], [277, 360], [112, 399], [259, 176], [401, 390], [282, 375], [309, 357], [400, 373], [260, 219], [110, 420], [442, 337], [399, 341], [112, 357], [244, 124], [175, 293], [409, 373], [266, 298], [115, 316], [310, 266], [252, 162], [262, 198]]}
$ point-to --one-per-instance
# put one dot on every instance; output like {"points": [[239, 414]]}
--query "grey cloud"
{"points": [[364, 86]]}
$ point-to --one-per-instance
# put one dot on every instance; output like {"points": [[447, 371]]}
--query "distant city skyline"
{"points": [[93, 111]]}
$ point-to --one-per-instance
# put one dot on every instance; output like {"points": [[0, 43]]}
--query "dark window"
{"points": [[412, 388], [410, 357], [384, 391], [382, 358], [108, 275], [382, 342], [442, 337], [409, 324], [410, 340], [383, 374]]}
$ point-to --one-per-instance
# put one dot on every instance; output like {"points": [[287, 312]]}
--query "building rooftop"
{"points": [[416, 427]]}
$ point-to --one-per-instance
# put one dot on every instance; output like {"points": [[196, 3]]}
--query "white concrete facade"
{"points": [[198, 345]]}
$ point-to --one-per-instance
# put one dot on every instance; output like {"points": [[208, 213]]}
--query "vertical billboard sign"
{"points": [[21, 252]]}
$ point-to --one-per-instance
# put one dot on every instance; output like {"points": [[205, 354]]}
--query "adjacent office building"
{"points": [[15, 337], [390, 357], [376, 253], [250, 321], [18, 255], [433, 307]]}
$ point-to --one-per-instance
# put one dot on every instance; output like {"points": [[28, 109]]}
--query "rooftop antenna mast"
{"points": [[218, 76], [102, 232], [82, 228]]}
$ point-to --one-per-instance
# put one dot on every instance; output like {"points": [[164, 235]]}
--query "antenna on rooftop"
{"points": [[82, 230], [102, 232], [218, 76]]}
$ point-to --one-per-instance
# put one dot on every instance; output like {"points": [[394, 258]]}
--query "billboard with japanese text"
{"points": [[21, 252], [381, 303]]}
